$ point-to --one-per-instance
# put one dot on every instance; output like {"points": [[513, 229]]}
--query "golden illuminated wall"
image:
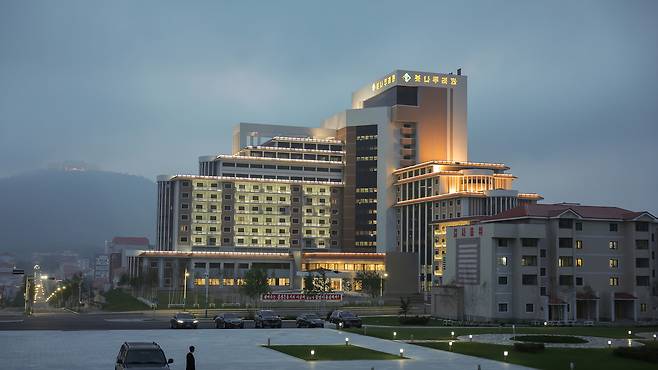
{"points": [[206, 206], [440, 244], [316, 211], [262, 215]]}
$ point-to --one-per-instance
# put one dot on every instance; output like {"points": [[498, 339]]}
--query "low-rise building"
{"points": [[551, 262]]}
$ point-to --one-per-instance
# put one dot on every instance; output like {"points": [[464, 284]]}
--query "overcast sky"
{"points": [[565, 93]]}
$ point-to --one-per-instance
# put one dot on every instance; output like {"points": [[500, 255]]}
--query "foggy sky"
{"points": [[563, 92]]}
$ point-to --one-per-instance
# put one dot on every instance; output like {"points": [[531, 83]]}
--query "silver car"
{"points": [[141, 355]]}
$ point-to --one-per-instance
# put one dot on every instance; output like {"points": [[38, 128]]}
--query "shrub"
{"points": [[529, 347], [548, 339], [416, 320], [644, 353]]}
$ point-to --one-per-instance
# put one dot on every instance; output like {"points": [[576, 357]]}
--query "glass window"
{"points": [[529, 279]]}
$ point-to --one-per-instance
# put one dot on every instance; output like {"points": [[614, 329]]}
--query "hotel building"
{"points": [[551, 262], [382, 179]]}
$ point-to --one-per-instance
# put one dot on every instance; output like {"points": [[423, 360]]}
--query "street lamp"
{"points": [[381, 283], [396, 333], [505, 353], [185, 288], [401, 352], [450, 345]]}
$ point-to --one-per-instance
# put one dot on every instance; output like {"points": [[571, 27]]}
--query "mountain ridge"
{"points": [[53, 210]]}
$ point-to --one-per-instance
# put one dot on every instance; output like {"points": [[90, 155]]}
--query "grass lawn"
{"points": [[118, 300], [549, 359], [393, 321], [444, 332], [338, 352], [548, 339]]}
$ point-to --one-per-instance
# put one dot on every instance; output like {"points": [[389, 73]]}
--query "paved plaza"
{"points": [[217, 349]]}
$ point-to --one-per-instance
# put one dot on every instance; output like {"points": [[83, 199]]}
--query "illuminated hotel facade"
{"points": [[380, 179]]}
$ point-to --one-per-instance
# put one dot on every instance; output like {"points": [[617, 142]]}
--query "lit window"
{"points": [[614, 281]]}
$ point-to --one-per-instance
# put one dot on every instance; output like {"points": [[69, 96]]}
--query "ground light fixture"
{"points": [[654, 336], [450, 345], [609, 343], [401, 352], [630, 332], [505, 353], [312, 353], [395, 333], [545, 323], [452, 334], [347, 341], [470, 337]]}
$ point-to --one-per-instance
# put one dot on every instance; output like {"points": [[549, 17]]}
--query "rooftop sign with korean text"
{"points": [[410, 78]]}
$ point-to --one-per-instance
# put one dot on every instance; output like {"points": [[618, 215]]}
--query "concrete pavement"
{"points": [[217, 349]]}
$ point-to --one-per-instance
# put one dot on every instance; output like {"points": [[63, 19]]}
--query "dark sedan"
{"points": [[229, 320], [309, 320], [346, 318], [184, 320], [267, 318]]}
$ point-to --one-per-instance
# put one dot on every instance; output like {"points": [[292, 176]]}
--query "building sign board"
{"points": [[301, 297], [410, 78]]}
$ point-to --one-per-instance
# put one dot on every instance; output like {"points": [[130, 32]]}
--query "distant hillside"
{"points": [[74, 210]]}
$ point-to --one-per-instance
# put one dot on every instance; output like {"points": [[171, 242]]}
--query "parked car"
{"points": [[184, 320], [348, 319], [309, 320], [267, 318], [141, 355], [229, 320]]}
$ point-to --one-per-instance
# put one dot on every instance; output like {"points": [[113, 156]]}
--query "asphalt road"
{"points": [[64, 320]]}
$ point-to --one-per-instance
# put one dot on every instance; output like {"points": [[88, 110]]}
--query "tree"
{"points": [[255, 284], [347, 285], [124, 280], [309, 284], [370, 282], [404, 306]]}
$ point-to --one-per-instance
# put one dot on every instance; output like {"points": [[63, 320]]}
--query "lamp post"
{"points": [[185, 288], [207, 281], [381, 284]]}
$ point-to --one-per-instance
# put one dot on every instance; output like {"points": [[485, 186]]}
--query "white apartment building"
{"points": [[551, 262]]}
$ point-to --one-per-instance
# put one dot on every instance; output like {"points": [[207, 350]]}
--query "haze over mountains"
{"points": [[54, 210]]}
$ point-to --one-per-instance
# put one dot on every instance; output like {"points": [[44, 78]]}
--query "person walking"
{"points": [[189, 363]]}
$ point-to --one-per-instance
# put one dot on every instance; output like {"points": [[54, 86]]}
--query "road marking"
{"points": [[10, 321], [124, 320]]}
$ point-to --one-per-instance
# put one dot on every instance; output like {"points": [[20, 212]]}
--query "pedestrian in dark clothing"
{"points": [[189, 365]]}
